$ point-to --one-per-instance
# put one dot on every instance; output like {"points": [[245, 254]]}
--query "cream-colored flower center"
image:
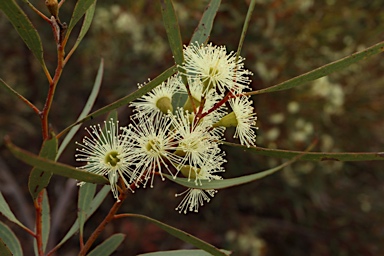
{"points": [[112, 158], [153, 146]]}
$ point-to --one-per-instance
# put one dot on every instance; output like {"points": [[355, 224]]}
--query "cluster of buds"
{"points": [[177, 128]]}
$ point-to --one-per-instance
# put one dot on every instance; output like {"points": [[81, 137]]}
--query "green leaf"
{"points": [[4, 250], [86, 25], [24, 27], [127, 99], [203, 30], [181, 253], [313, 156], [80, 8], [179, 234], [324, 70], [10, 240], [6, 211], [108, 246], [87, 108], [55, 167], [39, 178], [86, 194], [12, 91], [96, 202], [226, 183], [46, 219], [245, 26], [173, 30]]}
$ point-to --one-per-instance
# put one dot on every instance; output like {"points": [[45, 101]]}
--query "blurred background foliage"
{"points": [[309, 208]]}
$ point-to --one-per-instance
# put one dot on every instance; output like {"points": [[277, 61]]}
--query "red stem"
{"points": [[39, 212]]}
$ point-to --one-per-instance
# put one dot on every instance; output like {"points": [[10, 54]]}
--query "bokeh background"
{"points": [[309, 208]]}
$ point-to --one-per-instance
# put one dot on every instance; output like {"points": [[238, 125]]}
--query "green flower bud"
{"points": [[164, 104], [228, 120]]}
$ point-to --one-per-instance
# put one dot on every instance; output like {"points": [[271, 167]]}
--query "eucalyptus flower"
{"points": [[159, 100], [243, 118], [151, 141], [105, 153], [195, 197], [215, 67], [197, 145]]}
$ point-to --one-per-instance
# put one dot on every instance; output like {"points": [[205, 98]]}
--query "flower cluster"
{"points": [[174, 137]]}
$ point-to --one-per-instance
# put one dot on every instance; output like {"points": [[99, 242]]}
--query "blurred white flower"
{"points": [[105, 153]]}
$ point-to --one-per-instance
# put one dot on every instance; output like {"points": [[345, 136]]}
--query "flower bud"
{"points": [[228, 120]]}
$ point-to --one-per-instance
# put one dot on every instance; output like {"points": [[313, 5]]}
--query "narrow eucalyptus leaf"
{"points": [[24, 27], [6, 211], [96, 202], [324, 70], [46, 219], [203, 30], [127, 99], [108, 246], [87, 108], [86, 194], [225, 183], [86, 25], [182, 235], [182, 253], [55, 167], [173, 30], [39, 178], [10, 240], [313, 156], [4, 250], [80, 9]]}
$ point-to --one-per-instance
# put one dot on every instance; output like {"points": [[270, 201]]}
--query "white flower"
{"points": [[151, 141], [197, 146], [215, 68], [245, 119], [194, 197], [159, 100], [105, 153]]}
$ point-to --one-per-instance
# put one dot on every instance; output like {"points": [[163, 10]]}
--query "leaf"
{"points": [[87, 108], [24, 27], [108, 246], [125, 100], [313, 156], [86, 25], [80, 8], [96, 202], [203, 30], [324, 70], [181, 253], [12, 91], [173, 30], [39, 178], [6, 211], [86, 194], [55, 167], [226, 183], [179, 234], [10, 240], [245, 26], [46, 219], [4, 249]]}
